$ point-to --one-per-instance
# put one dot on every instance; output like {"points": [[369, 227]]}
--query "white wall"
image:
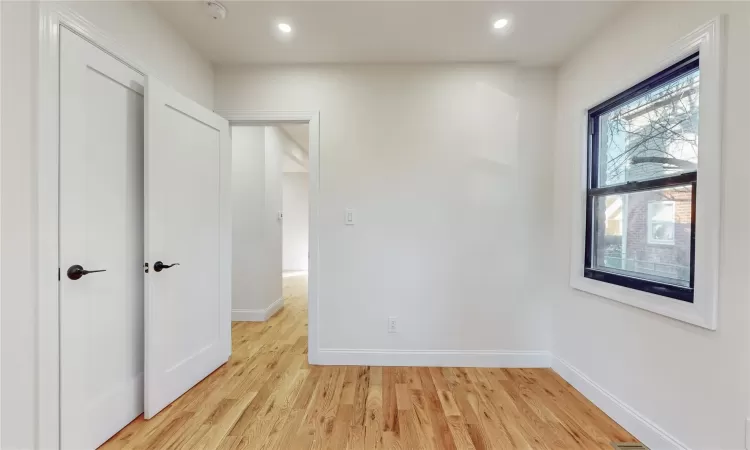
{"points": [[137, 28], [248, 202], [256, 235], [275, 142], [449, 169], [691, 382], [17, 301], [296, 187], [152, 41]]}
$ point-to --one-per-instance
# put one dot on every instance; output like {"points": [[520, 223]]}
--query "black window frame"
{"points": [[593, 190]]}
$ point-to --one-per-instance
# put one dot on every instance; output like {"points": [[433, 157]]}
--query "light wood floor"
{"points": [[268, 397]]}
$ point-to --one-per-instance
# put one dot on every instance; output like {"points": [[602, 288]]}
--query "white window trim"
{"points": [[709, 40], [650, 223]]}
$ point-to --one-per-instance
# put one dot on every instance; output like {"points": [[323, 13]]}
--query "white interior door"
{"points": [[187, 222], [101, 228]]}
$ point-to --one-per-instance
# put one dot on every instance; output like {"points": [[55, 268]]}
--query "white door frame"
{"points": [[248, 117], [51, 17], [1, 152]]}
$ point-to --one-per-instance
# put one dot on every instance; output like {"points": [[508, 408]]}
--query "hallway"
{"points": [[268, 397]]}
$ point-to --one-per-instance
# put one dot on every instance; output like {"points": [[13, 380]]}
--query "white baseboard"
{"points": [[433, 358], [257, 315], [293, 272], [650, 434]]}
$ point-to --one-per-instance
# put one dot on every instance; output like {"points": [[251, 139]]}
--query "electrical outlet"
{"points": [[392, 324]]}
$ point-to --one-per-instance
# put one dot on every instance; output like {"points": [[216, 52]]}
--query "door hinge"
{"points": [[58, 274]]}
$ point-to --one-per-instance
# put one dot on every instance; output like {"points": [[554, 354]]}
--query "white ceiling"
{"points": [[543, 32]]}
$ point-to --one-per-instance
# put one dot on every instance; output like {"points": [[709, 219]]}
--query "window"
{"points": [[642, 183], [661, 222]]}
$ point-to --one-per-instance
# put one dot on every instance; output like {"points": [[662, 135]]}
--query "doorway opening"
{"points": [[274, 173], [270, 209], [295, 207]]}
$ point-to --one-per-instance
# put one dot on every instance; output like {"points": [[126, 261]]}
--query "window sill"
{"points": [[662, 289], [691, 313]]}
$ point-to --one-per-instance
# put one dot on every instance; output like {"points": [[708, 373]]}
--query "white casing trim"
{"points": [[250, 117]]}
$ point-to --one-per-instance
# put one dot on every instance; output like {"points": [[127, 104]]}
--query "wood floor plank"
{"points": [[585, 435], [403, 397], [412, 434], [291, 431], [460, 433], [356, 438], [450, 408], [220, 429], [580, 408], [350, 385], [360, 396], [268, 397], [441, 435], [374, 410], [488, 417], [390, 406], [338, 437]]}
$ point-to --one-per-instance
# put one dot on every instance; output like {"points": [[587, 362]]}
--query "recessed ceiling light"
{"points": [[500, 24], [216, 9], [285, 28]]}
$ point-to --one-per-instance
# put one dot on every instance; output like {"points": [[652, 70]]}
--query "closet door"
{"points": [[101, 243], [187, 244]]}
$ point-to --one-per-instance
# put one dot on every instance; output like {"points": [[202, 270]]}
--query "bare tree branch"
{"points": [[654, 135], [680, 163]]}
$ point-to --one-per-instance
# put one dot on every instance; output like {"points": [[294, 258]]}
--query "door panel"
{"points": [[187, 221], [101, 227]]}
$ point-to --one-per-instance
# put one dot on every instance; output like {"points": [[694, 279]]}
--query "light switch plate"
{"points": [[349, 217]]}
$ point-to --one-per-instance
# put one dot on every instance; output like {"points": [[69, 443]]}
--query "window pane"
{"points": [[645, 234], [661, 218], [653, 135]]}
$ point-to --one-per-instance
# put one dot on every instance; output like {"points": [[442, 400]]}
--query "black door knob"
{"points": [[159, 266], [75, 272]]}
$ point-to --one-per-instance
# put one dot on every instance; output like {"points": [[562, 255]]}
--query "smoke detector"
{"points": [[216, 10]]}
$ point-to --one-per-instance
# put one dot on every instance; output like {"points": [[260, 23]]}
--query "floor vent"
{"points": [[628, 446]]}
